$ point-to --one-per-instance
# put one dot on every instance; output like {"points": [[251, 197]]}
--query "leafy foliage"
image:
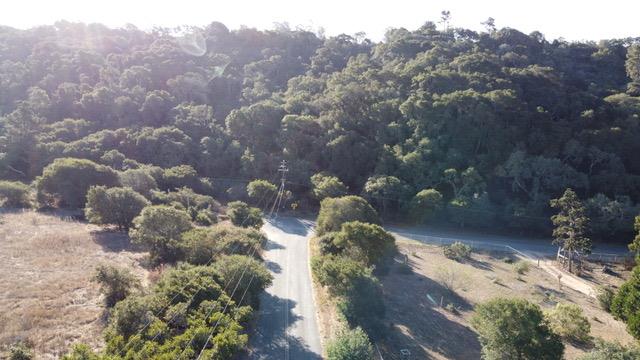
{"points": [[368, 243], [65, 182], [350, 345], [261, 190], [457, 251], [117, 206], [336, 211], [159, 228], [201, 245], [612, 351], [570, 223], [568, 321], [515, 329], [14, 194], [115, 283], [626, 303], [243, 215]]}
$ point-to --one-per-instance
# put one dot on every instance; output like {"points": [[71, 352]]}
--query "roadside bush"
{"points": [[457, 251], [338, 273], [199, 246], [115, 283], [336, 211], [327, 244], [568, 321], [243, 215], [118, 206], [364, 242], [65, 182], [605, 298], [363, 306], [14, 194], [515, 329], [350, 345], [159, 337], [521, 267], [604, 350], [248, 275], [626, 303], [159, 229]]}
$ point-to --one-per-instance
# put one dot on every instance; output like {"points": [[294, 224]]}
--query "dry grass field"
{"points": [[46, 294], [419, 324]]}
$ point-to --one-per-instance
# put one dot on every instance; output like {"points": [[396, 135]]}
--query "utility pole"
{"points": [[283, 169]]}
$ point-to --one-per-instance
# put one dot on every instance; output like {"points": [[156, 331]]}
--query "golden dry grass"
{"points": [[430, 331], [46, 265]]}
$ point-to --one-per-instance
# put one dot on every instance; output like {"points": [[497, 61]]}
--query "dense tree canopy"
{"points": [[498, 122]]}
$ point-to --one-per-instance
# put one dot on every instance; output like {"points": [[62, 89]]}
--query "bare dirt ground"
{"points": [[414, 294], [46, 294]]}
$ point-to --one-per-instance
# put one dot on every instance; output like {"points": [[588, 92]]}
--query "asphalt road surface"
{"points": [[286, 326], [535, 248]]}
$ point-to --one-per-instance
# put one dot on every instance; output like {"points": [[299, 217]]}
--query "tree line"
{"points": [[475, 128]]}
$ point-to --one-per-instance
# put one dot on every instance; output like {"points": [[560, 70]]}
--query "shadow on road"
{"points": [[290, 225], [273, 266], [417, 322], [270, 339]]}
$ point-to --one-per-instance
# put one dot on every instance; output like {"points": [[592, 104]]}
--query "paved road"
{"points": [[287, 326], [536, 248]]}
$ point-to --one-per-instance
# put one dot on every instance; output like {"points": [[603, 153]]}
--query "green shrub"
{"points": [[425, 205], [199, 246], [604, 350], [21, 351], [81, 352], [115, 283], [14, 194], [350, 345], [261, 190], [159, 229], [364, 242], [521, 267], [626, 303], [249, 276], [568, 321], [338, 273], [118, 206], [363, 306], [243, 215], [336, 211], [605, 298], [65, 182], [457, 251], [515, 329], [327, 244], [206, 217]]}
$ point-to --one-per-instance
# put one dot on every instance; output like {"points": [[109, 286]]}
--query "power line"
{"points": [[187, 285], [282, 169]]}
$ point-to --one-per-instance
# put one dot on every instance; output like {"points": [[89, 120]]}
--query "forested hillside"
{"points": [[483, 128]]}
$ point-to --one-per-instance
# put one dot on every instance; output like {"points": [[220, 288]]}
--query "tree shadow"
{"points": [[290, 225], [114, 241], [417, 322], [478, 264], [269, 339], [272, 245], [273, 266]]}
